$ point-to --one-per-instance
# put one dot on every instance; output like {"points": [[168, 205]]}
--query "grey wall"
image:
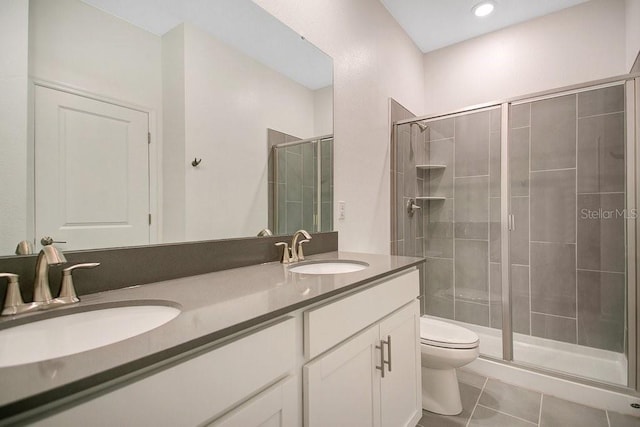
{"points": [[567, 251], [406, 231], [462, 232], [326, 185], [274, 138]]}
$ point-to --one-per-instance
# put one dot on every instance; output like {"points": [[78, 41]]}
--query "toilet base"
{"points": [[440, 391]]}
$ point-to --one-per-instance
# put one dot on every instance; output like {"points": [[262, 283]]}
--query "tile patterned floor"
{"points": [[489, 402]]}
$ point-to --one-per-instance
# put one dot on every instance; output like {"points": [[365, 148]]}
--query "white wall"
{"points": [[229, 102], [323, 111], [14, 36], [373, 60], [578, 44], [173, 160], [632, 28], [78, 45]]}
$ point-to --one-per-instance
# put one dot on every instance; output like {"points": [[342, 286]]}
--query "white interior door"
{"points": [[92, 164]]}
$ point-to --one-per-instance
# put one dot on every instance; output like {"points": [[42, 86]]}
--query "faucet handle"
{"points": [[286, 256], [13, 303], [299, 252], [24, 248], [67, 290], [13, 298]]}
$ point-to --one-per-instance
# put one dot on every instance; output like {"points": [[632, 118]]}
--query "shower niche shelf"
{"points": [[430, 167]]}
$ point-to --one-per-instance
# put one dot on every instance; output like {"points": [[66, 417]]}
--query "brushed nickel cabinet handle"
{"points": [[388, 362], [382, 362]]}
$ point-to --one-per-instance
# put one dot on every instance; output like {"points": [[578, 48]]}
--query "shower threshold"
{"points": [[586, 362]]}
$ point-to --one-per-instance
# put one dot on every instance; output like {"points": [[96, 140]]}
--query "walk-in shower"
{"points": [[302, 185], [527, 224]]}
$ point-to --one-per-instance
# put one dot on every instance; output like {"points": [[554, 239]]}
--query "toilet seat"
{"points": [[446, 335]]}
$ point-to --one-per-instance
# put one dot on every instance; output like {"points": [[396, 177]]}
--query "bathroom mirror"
{"points": [[209, 87]]}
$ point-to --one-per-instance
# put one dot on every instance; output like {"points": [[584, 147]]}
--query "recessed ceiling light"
{"points": [[483, 9]]}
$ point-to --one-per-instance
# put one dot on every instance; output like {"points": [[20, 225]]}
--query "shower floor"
{"points": [[601, 365]]}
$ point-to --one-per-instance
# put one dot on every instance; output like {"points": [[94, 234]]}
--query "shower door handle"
{"points": [[511, 222]]}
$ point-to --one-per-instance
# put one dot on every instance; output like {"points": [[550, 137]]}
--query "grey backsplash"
{"points": [[124, 267]]}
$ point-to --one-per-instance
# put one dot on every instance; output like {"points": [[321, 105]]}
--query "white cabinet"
{"points": [[341, 347], [342, 388], [196, 390], [372, 378], [274, 407], [401, 390]]}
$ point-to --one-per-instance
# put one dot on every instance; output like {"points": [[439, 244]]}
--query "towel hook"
{"points": [[196, 162]]}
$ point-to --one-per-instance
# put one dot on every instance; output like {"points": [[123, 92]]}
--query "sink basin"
{"points": [[80, 331], [333, 266]]}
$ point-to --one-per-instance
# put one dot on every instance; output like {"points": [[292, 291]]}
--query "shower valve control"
{"points": [[412, 207]]}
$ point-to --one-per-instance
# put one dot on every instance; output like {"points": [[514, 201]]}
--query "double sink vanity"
{"points": [[332, 340]]}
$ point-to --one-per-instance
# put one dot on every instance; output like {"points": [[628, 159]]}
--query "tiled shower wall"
{"points": [[326, 185], [460, 230], [567, 251], [568, 197], [296, 178], [274, 138], [407, 230]]}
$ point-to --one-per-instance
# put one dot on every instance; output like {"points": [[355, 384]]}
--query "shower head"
{"points": [[422, 126]]}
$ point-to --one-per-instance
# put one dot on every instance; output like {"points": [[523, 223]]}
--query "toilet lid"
{"points": [[442, 334]]}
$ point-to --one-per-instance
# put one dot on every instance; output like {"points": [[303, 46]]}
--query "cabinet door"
{"points": [[274, 407], [401, 391], [342, 387]]}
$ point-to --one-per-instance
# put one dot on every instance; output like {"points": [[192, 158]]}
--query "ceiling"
{"points": [[239, 23], [433, 24]]}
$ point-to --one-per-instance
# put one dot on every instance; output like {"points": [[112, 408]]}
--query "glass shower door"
{"points": [[567, 246], [458, 166], [303, 181]]}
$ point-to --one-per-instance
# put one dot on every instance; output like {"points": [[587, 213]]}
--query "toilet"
{"points": [[444, 347]]}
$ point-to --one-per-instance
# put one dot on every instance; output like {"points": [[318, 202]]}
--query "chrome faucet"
{"points": [[49, 255], [296, 246]]}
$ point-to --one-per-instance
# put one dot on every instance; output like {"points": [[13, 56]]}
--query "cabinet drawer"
{"points": [[336, 321], [274, 407], [196, 390]]}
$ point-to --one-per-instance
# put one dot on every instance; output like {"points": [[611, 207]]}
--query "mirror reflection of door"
{"points": [[92, 163]]}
